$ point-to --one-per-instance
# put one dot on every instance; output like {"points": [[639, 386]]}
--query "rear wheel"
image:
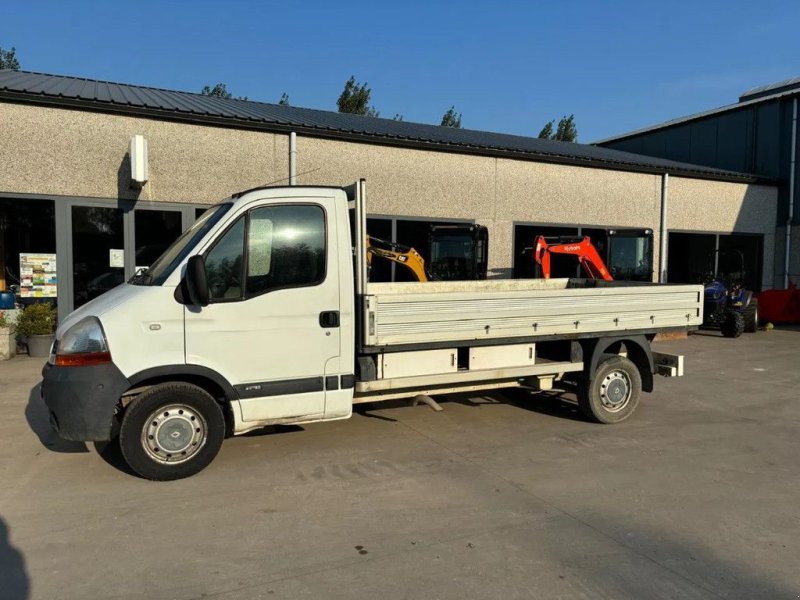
{"points": [[750, 314], [612, 393], [732, 325], [171, 431]]}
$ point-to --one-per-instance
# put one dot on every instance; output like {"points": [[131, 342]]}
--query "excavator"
{"points": [[456, 252], [397, 253], [582, 247]]}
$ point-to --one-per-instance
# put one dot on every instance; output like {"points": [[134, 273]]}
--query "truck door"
{"points": [[272, 325]]}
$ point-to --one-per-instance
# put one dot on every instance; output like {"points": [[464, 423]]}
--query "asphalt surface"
{"points": [[696, 496]]}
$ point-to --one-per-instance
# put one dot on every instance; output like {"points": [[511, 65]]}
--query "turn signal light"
{"points": [[82, 359]]}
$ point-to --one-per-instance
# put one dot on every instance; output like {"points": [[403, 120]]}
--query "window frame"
{"points": [[245, 295]]}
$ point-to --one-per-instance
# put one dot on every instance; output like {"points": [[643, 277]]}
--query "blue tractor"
{"points": [[727, 305]]}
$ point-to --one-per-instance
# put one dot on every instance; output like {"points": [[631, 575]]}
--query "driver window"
{"points": [[285, 248], [224, 265]]}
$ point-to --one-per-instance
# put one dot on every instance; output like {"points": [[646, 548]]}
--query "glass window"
{"points": [[630, 255], [224, 264], [97, 251], [27, 227], [285, 247], [155, 232], [166, 263]]}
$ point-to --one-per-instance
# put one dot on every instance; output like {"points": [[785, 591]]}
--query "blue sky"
{"points": [[506, 66]]}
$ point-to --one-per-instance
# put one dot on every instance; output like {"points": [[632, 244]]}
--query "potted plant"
{"points": [[8, 337], [37, 323]]}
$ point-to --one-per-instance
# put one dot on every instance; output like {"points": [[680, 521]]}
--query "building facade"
{"points": [[66, 191], [757, 135]]}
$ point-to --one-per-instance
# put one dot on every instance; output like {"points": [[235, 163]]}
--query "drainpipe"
{"points": [[662, 254], [791, 196], [292, 158]]}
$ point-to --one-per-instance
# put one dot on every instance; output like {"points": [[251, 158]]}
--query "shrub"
{"points": [[37, 319], [3, 320]]}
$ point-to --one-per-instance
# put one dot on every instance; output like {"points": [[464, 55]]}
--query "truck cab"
{"points": [[272, 330]]}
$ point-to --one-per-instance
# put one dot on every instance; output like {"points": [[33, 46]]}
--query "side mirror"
{"points": [[195, 280]]}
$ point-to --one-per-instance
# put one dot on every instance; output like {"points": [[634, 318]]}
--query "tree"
{"points": [[219, 91], [547, 131], [451, 118], [284, 101], [397, 117], [8, 59], [354, 99], [565, 131]]}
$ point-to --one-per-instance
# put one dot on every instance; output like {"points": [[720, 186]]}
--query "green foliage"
{"points": [[3, 320], [284, 101], [565, 132], [354, 99], [8, 59], [37, 319], [219, 91], [451, 118]]}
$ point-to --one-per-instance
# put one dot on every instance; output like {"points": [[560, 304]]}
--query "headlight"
{"points": [[83, 344]]}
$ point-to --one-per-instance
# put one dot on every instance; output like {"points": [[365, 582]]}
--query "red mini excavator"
{"points": [[581, 247]]}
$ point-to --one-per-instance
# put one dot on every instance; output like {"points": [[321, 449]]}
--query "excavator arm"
{"points": [[397, 253], [583, 248]]}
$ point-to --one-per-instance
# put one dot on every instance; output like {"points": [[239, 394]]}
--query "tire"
{"points": [[732, 324], [612, 393], [182, 418], [750, 314]]}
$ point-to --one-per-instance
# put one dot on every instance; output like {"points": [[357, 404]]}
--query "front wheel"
{"points": [[612, 393], [171, 431], [732, 325]]}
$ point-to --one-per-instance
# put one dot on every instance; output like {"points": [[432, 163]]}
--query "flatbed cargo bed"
{"points": [[413, 314]]}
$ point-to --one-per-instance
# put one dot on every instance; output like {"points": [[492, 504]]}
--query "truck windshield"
{"points": [[158, 272]]}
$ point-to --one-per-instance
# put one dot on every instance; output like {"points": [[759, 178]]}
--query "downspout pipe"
{"points": [[662, 253], [292, 158], [790, 218]]}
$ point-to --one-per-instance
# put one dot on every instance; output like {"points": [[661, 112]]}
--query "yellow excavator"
{"points": [[397, 253]]}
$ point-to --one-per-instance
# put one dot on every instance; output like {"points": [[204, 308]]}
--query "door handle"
{"points": [[329, 318]]}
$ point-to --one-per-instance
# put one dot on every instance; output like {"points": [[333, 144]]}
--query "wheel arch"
{"points": [[203, 377], [637, 348]]}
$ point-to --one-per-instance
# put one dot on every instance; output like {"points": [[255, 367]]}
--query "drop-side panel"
{"points": [[480, 310]]}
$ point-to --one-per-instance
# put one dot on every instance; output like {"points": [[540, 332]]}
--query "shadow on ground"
{"points": [[38, 418], [554, 403], [14, 581]]}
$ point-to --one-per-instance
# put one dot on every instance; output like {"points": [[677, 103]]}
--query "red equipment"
{"points": [[587, 255], [780, 306]]}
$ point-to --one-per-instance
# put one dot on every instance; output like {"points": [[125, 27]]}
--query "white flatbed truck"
{"points": [[262, 313]]}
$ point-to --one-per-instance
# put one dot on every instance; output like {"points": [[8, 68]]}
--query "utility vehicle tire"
{"points": [[750, 314], [732, 324], [171, 431], [612, 393]]}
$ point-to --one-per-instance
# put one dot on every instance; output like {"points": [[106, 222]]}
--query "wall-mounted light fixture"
{"points": [[138, 154]]}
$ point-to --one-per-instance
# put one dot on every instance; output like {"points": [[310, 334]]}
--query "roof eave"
{"points": [[353, 136]]}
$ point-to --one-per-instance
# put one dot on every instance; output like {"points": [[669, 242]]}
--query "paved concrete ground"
{"points": [[698, 496]]}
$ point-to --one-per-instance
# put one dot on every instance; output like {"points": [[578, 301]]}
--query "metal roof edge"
{"points": [[696, 116]]}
